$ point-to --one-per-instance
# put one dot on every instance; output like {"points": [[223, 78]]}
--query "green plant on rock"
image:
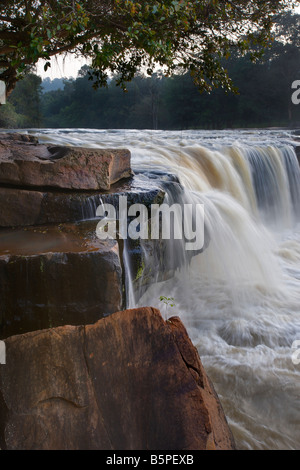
{"points": [[42, 266], [168, 301], [140, 271]]}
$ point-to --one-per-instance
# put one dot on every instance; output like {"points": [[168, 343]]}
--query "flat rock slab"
{"points": [[129, 382], [27, 164], [57, 275]]}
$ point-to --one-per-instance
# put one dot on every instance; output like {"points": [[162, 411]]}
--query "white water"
{"points": [[240, 299]]}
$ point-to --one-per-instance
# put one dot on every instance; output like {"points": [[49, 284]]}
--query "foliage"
{"points": [[167, 300], [52, 85], [121, 36], [26, 101], [8, 117], [160, 102]]}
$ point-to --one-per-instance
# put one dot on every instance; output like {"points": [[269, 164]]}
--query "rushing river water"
{"points": [[240, 299]]}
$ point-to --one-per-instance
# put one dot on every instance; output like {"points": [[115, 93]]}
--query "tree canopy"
{"points": [[123, 36]]}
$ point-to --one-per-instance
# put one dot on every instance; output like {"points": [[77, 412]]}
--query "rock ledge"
{"points": [[24, 163]]}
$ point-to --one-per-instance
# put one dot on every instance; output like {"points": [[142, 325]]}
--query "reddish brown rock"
{"points": [[19, 207], [129, 382], [57, 275], [27, 164], [23, 207]]}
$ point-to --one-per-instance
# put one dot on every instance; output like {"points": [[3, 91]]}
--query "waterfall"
{"points": [[240, 297], [89, 206], [249, 194], [275, 173]]}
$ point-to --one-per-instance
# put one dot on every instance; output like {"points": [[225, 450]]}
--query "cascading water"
{"points": [[237, 298], [240, 298]]}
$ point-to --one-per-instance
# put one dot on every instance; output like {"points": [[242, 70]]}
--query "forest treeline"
{"points": [[158, 102]]}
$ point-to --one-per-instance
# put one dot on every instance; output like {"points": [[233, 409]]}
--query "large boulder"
{"points": [[27, 164], [129, 382], [56, 275]]}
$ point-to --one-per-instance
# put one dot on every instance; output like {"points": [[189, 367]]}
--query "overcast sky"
{"points": [[61, 66]]}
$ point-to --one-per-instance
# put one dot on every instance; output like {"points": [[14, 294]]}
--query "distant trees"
{"points": [[52, 85], [26, 101], [78, 105], [264, 99], [285, 58], [9, 118]]}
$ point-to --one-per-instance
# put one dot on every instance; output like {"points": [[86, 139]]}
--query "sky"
{"points": [[68, 66], [61, 66]]}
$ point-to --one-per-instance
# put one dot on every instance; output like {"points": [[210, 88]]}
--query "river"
{"points": [[240, 299]]}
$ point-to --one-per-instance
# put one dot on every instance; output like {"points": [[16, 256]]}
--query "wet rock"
{"points": [[57, 275], [23, 207], [154, 260], [19, 207], [27, 164], [129, 382]]}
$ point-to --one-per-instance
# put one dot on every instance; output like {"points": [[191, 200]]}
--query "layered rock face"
{"points": [[24, 207], [129, 382], [50, 274], [57, 275]]}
